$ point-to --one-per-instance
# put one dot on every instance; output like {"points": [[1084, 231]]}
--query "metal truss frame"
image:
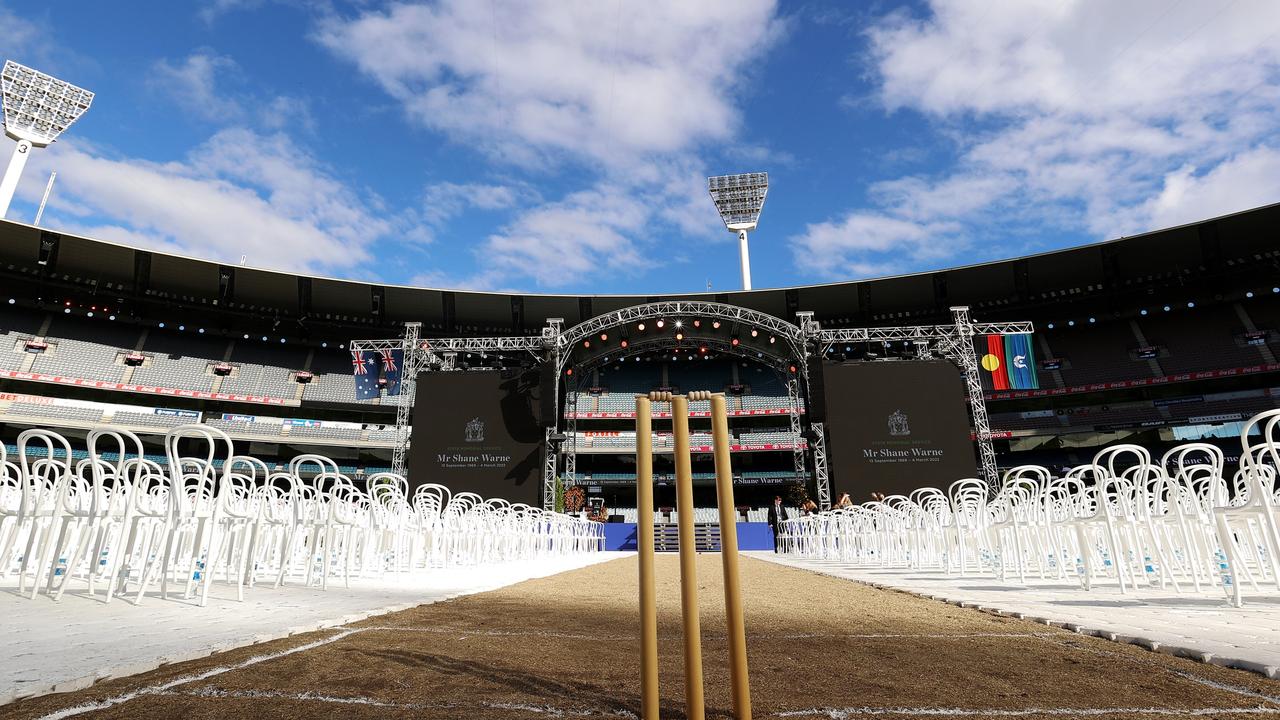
{"points": [[548, 471], [820, 474], [410, 364], [798, 451]]}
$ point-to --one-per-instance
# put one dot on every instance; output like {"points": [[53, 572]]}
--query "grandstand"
{"points": [[1162, 331]]}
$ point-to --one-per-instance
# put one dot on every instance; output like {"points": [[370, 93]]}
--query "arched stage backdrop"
{"points": [[868, 437]]}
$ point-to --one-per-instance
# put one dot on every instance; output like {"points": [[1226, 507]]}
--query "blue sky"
{"points": [[562, 146]]}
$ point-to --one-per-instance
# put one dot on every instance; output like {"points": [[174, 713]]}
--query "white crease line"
{"points": [[549, 710], [854, 712], [465, 632], [157, 689]]}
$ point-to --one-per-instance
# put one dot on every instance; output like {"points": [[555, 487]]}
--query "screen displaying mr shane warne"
{"points": [[478, 431]]}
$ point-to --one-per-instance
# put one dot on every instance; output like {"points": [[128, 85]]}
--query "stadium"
{"points": [[1036, 487]]}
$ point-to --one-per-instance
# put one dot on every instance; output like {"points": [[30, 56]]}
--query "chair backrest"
{"points": [[44, 474], [125, 446], [1256, 458], [198, 474]]}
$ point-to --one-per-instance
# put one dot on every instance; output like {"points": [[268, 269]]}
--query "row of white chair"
{"points": [[1180, 521], [119, 520]]}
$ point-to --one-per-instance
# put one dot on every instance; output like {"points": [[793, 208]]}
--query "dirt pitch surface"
{"points": [[566, 646]]}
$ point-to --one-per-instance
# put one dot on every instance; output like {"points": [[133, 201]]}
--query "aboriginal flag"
{"points": [[993, 363]]}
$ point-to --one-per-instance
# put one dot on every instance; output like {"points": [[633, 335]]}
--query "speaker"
{"points": [[547, 396], [817, 390]]}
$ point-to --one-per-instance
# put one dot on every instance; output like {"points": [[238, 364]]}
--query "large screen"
{"points": [[894, 426], [478, 431]]}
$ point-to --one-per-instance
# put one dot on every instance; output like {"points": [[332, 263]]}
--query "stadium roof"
{"points": [[1188, 255]]}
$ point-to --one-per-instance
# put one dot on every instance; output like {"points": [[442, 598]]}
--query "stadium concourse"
{"points": [[198, 516]]}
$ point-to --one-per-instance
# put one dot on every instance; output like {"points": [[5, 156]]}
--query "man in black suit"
{"points": [[777, 513]]}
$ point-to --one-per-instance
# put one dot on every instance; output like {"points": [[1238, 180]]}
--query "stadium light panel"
{"points": [[37, 109], [739, 199]]}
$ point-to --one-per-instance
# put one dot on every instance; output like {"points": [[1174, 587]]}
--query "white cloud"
{"points": [[214, 10], [193, 84], [863, 244], [1109, 117], [238, 193], [631, 92], [574, 240], [1249, 179], [601, 81], [446, 200]]}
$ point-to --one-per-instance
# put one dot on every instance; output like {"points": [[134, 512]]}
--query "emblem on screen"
{"points": [[475, 431], [898, 423]]}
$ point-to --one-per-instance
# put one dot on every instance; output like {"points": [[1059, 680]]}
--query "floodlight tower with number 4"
{"points": [[37, 109], [739, 199]]}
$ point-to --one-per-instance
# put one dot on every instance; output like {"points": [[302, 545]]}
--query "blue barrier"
{"points": [[751, 536]]}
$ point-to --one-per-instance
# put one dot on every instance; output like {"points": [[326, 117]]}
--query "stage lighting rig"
{"points": [[37, 109], [739, 200]]}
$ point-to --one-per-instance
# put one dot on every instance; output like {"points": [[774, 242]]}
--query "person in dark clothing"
{"points": [[777, 514]]}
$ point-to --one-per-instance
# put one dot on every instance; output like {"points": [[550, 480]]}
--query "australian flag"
{"points": [[365, 369], [392, 362]]}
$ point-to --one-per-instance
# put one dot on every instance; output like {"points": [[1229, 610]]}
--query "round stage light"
{"points": [[161, 324], [793, 369], [772, 339], [1071, 323], [715, 325], [640, 327], [246, 336], [1092, 320], [679, 336], [604, 337], [755, 333], [200, 330], [1191, 304], [89, 314], [12, 301], [703, 349], [679, 323], [734, 341], [1275, 289], [623, 343], [111, 317], [661, 323], [324, 344], [264, 338], [568, 371], [1142, 312], [281, 341], [182, 327], [1050, 326], [67, 311], [1248, 295], [586, 343], [1166, 308]]}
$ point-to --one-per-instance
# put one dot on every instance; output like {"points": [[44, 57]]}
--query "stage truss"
{"points": [[553, 346]]}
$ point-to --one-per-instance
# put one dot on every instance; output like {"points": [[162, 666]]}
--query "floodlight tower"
{"points": [[37, 109], [740, 198]]}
